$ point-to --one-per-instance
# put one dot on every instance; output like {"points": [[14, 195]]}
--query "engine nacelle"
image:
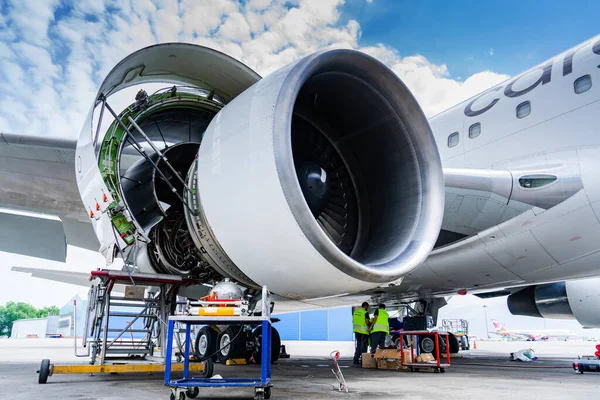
{"points": [[322, 178], [578, 299]]}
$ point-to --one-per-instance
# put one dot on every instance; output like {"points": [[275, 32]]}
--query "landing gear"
{"points": [[206, 341], [233, 343], [275, 344], [228, 345]]}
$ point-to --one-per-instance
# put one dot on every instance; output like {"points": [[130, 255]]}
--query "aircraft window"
{"points": [[475, 130], [583, 84], [536, 181], [523, 109], [453, 139]]}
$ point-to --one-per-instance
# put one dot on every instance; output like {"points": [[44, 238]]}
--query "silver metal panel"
{"points": [[456, 265], [520, 254], [588, 164], [571, 235], [33, 237], [181, 63], [38, 174], [80, 234], [582, 267]]}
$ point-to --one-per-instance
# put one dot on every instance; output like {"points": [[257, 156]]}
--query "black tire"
{"points": [[267, 392], [44, 371], [275, 344], [427, 344], [259, 396], [180, 397], [193, 392], [233, 349], [442, 345], [453, 342], [206, 342]]}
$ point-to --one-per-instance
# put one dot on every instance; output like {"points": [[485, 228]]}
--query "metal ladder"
{"points": [[109, 340]]}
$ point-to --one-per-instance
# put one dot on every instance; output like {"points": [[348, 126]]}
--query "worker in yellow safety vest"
{"points": [[360, 322], [380, 328]]}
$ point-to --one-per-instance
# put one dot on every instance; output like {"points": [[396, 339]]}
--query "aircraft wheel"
{"points": [[228, 344], [275, 344], [206, 342]]}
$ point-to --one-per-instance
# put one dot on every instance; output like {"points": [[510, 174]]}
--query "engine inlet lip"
{"points": [[429, 164]]}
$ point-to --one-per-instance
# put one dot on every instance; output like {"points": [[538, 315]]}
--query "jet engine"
{"points": [[320, 179], [577, 299]]}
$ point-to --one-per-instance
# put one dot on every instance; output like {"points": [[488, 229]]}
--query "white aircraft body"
{"points": [[532, 334], [325, 182]]}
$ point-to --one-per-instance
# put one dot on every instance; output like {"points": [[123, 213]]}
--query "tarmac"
{"points": [[478, 374]]}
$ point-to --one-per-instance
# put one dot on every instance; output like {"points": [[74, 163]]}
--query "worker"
{"points": [[360, 322], [380, 328]]}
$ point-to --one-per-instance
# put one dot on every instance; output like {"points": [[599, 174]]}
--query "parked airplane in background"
{"points": [[532, 334], [325, 182]]}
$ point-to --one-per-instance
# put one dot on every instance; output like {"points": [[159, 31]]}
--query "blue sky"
{"points": [[445, 52], [461, 33]]}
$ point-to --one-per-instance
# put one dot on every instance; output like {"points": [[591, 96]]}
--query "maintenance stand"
{"points": [[153, 299], [190, 385]]}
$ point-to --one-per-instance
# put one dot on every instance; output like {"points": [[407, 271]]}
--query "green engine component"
{"points": [[108, 158]]}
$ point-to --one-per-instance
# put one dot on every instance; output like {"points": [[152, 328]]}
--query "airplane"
{"points": [[532, 334], [325, 182]]}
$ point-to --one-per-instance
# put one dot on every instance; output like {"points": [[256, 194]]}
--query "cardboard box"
{"points": [[385, 363], [407, 358], [425, 358], [131, 294], [369, 361], [389, 363], [387, 353]]}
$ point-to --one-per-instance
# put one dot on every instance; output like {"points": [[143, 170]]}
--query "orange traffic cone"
{"points": [[474, 344]]}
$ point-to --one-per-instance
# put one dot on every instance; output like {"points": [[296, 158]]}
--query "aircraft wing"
{"points": [[74, 278], [38, 177]]}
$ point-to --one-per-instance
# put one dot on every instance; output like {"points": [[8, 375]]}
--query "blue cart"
{"points": [[190, 385]]}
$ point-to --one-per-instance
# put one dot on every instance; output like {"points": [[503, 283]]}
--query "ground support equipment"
{"points": [[460, 329], [121, 352], [189, 385], [412, 365], [588, 365]]}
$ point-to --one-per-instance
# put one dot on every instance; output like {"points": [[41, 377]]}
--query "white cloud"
{"points": [[51, 65], [490, 52], [57, 61]]}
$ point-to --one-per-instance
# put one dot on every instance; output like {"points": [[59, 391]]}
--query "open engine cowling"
{"points": [[578, 299], [322, 178], [319, 180]]}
